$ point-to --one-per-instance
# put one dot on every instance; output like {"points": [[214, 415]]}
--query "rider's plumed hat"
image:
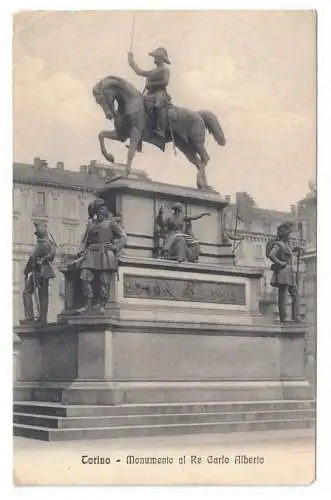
{"points": [[162, 53]]}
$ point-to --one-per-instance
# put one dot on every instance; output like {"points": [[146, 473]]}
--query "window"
{"points": [[40, 201], [16, 199], [69, 236], [264, 286], [240, 250], [83, 210], [258, 251], [303, 286], [62, 286], [228, 219], [17, 236], [16, 272], [56, 203], [71, 207]]}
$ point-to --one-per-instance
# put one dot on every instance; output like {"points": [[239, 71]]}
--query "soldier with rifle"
{"points": [[97, 260], [37, 273], [280, 253]]}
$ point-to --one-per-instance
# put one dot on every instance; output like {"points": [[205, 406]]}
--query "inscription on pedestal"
{"points": [[136, 286]]}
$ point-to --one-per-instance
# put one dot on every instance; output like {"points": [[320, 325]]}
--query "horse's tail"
{"points": [[213, 126]]}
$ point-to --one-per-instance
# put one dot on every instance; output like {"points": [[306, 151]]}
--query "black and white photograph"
{"points": [[164, 247]]}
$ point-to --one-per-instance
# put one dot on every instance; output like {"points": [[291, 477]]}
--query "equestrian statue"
{"points": [[150, 116]]}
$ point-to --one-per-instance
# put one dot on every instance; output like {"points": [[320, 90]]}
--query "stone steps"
{"points": [[154, 419], [51, 421], [59, 409], [95, 393], [49, 434]]}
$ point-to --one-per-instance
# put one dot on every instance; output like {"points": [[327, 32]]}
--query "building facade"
{"points": [[307, 208]]}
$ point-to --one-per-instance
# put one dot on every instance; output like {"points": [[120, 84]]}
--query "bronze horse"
{"points": [[124, 104]]}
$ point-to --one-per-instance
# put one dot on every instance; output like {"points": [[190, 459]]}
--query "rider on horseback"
{"points": [[157, 81], [186, 128]]}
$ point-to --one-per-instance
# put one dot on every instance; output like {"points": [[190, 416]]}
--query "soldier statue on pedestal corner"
{"points": [[37, 273], [280, 253], [97, 261]]}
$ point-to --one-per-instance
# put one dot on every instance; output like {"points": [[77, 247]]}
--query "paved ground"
{"points": [[281, 457]]}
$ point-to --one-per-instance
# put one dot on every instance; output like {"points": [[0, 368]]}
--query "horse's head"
{"points": [[105, 97], [112, 94]]}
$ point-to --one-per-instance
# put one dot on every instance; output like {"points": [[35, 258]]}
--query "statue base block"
{"points": [[159, 290], [102, 378], [139, 201]]}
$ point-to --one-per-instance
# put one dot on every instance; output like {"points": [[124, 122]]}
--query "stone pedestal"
{"points": [[171, 333], [139, 201], [138, 361], [160, 290], [16, 361], [176, 339]]}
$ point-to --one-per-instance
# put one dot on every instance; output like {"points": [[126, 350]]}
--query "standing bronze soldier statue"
{"points": [[156, 87], [280, 253], [102, 241], [37, 273]]}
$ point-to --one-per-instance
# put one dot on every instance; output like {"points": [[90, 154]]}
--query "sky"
{"points": [[254, 69]]}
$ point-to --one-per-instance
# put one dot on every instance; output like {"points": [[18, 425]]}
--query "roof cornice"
{"points": [[50, 183]]}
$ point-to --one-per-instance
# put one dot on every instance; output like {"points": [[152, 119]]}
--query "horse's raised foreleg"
{"points": [[135, 137], [107, 134]]}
